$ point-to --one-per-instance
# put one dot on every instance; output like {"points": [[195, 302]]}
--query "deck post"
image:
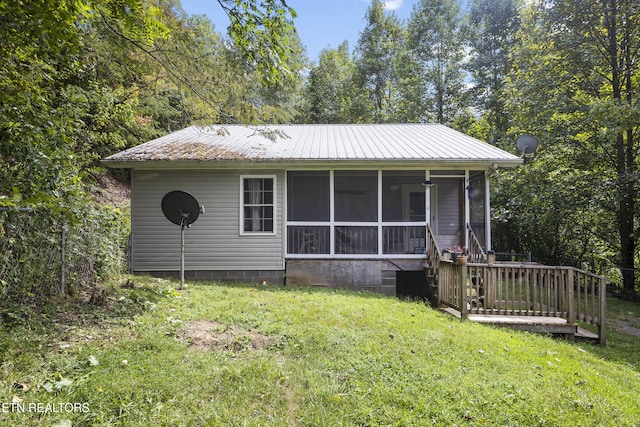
{"points": [[602, 298], [462, 290], [438, 287], [571, 311]]}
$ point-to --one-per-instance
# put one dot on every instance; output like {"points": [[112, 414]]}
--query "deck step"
{"points": [[451, 311], [538, 324], [541, 324], [584, 335]]}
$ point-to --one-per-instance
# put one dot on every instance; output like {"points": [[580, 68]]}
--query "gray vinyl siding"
{"points": [[213, 242]]}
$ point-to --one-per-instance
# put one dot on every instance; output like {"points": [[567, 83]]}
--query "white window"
{"points": [[257, 199]]}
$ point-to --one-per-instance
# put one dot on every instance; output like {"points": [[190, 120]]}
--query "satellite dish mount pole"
{"points": [[181, 209], [184, 224]]}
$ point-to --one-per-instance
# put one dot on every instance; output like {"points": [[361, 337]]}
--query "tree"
{"points": [[492, 30], [262, 31], [80, 79], [575, 84], [377, 47], [85, 79], [330, 92], [436, 42]]}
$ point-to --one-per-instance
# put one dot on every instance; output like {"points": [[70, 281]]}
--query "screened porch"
{"points": [[380, 213]]}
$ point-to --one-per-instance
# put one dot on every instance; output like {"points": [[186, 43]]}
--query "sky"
{"points": [[320, 23]]}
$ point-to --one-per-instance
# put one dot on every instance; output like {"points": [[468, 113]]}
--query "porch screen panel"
{"points": [[404, 240], [477, 202], [356, 240], [308, 196], [356, 196], [308, 239], [403, 196]]}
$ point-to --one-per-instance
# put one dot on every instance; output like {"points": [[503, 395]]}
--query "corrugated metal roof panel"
{"points": [[397, 142]]}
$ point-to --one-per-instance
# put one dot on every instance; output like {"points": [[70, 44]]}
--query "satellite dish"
{"points": [[181, 209], [527, 144]]}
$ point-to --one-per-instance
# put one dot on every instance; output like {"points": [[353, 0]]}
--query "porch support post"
{"points": [[467, 209], [462, 290], [380, 243], [332, 215], [487, 213]]}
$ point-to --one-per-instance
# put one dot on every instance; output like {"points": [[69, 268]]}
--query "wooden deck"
{"points": [[528, 297]]}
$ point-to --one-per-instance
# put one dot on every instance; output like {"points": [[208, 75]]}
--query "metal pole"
{"points": [[182, 257], [63, 266]]}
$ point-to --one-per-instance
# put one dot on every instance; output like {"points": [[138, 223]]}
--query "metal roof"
{"points": [[314, 143]]}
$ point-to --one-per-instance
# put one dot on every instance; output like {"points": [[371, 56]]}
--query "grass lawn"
{"points": [[234, 355]]}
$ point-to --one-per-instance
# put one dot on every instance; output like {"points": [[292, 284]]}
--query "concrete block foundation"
{"points": [[357, 274]]}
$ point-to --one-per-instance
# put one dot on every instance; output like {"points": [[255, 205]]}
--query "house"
{"points": [[365, 207], [322, 205]]}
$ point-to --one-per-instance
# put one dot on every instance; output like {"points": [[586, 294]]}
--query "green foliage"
{"points": [[574, 85], [304, 357], [435, 36], [97, 76], [82, 79], [330, 92], [493, 25], [91, 240], [262, 31], [377, 48]]}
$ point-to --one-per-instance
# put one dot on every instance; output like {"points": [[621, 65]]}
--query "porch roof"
{"points": [[395, 143]]}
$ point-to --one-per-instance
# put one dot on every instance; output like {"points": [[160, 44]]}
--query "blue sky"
{"points": [[320, 23]]}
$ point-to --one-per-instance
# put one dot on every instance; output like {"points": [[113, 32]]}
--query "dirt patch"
{"points": [[207, 335], [110, 190]]}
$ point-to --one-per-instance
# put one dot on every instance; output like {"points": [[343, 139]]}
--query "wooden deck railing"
{"points": [[513, 289], [433, 251], [475, 253], [524, 290], [449, 296]]}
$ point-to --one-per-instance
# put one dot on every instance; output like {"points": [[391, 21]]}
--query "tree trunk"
{"points": [[626, 213], [622, 85]]}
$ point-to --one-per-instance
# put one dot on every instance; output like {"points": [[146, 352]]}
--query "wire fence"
{"points": [[43, 253]]}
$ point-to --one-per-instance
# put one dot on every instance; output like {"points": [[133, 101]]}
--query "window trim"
{"points": [[242, 231]]}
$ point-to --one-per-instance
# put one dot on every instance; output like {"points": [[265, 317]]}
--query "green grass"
{"points": [[273, 356]]}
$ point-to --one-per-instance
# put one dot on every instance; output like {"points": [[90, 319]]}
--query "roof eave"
{"points": [[314, 163]]}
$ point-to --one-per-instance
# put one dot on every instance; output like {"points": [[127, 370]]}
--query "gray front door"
{"points": [[447, 211]]}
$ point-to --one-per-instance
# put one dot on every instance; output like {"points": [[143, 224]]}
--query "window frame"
{"points": [[273, 205]]}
